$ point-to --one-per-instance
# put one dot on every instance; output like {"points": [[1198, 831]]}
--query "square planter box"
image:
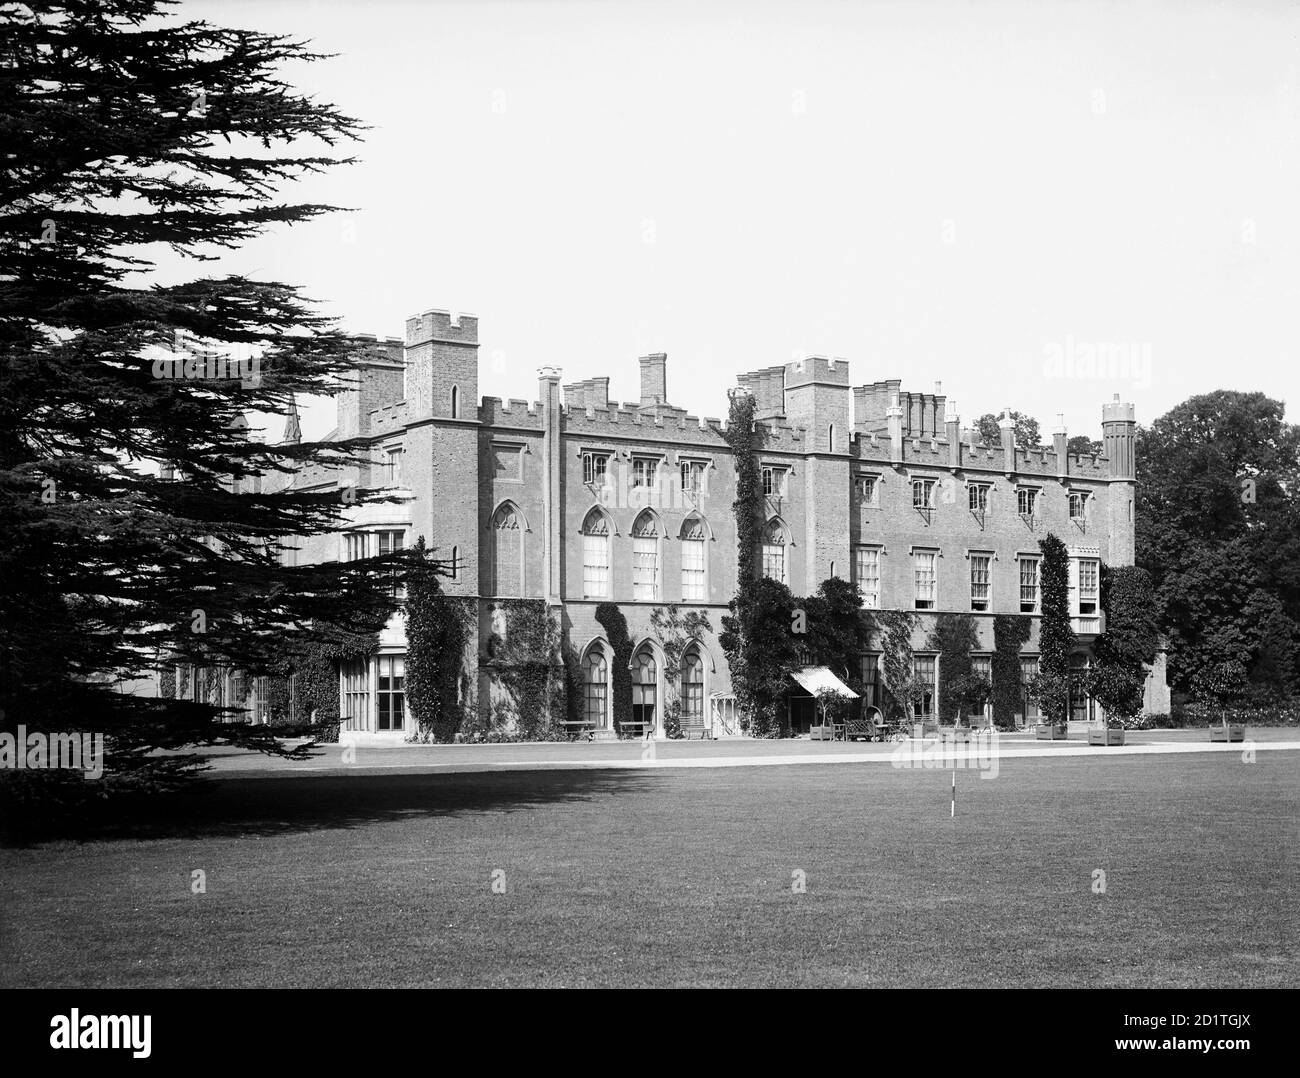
{"points": [[821, 733], [922, 730], [1234, 732], [960, 733], [1105, 737], [1044, 732]]}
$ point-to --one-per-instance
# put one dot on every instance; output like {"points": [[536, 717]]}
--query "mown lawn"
{"points": [[684, 878]]}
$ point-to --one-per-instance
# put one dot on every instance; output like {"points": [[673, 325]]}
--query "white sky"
{"points": [[740, 184]]}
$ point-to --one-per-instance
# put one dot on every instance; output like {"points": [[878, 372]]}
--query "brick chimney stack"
{"points": [[653, 379]]}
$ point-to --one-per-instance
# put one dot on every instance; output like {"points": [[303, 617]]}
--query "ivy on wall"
{"points": [[675, 632], [1055, 636], [611, 619], [437, 628], [954, 637], [761, 649], [1010, 633], [752, 632], [527, 663], [896, 663]]}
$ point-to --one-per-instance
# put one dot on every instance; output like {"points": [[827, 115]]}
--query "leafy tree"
{"points": [[1081, 446], [1027, 434], [1218, 530], [1123, 652], [764, 615], [838, 629], [1055, 636], [1010, 633], [832, 705], [134, 528], [897, 665], [954, 637]]}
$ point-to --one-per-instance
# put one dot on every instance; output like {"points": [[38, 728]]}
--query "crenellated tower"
{"points": [[442, 438], [1118, 439]]}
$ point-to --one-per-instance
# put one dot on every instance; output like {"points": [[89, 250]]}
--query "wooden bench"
{"points": [[694, 725], [580, 727], [635, 727]]}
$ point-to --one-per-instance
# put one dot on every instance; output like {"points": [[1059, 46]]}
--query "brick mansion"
{"points": [[577, 500]]}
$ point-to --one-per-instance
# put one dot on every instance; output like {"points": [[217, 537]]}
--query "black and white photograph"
{"points": [[627, 495]]}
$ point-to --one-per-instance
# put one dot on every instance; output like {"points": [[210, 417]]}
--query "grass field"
{"points": [[684, 878]]}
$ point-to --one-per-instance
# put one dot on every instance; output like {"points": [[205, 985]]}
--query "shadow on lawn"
{"points": [[278, 804]]}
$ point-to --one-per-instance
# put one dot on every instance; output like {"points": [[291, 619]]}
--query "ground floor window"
{"points": [[1081, 704], [392, 691], [645, 688], [260, 704], [355, 704], [871, 681], [594, 688], [1029, 712], [693, 687], [925, 670]]}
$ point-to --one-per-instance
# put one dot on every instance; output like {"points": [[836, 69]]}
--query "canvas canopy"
{"points": [[815, 678]]}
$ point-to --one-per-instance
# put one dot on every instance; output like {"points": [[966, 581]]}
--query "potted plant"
{"points": [[967, 691], [1118, 689], [1217, 683], [832, 707], [1052, 692]]}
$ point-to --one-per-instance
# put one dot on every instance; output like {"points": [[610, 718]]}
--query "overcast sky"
{"points": [[978, 193]]}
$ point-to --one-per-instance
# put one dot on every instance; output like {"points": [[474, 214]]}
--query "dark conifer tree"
{"points": [[133, 527]]}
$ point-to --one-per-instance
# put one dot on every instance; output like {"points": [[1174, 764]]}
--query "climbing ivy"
{"points": [[526, 662], [611, 619], [437, 628], [675, 632], [750, 632], [896, 663], [954, 638], [758, 640], [1010, 632], [1055, 636]]}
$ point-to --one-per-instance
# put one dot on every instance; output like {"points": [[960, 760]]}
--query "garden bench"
{"points": [[635, 727], [580, 727], [693, 725]]}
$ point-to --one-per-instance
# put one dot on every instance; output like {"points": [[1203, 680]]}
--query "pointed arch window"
{"points": [[645, 687], [645, 558], [595, 688], [507, 551], [775, 541], [595, 556], [693, 688], [455, 402]]}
